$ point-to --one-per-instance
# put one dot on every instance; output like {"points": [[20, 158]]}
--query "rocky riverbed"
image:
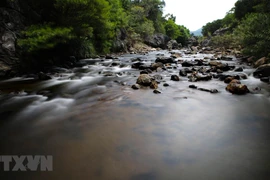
{"points": [[177, 114]]}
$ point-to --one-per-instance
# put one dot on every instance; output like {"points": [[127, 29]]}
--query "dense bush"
{"points": [[81, 28], [38, 37], [254, 34], [211, 27], [227, 41], [180, 33], [249, 23]]}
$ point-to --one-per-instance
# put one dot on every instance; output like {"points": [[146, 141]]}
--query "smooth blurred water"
{"points": [[97, 127]]}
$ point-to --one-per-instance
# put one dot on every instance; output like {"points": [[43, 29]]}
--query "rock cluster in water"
{"points": [[197, 70]]}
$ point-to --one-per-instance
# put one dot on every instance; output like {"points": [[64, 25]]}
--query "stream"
{"points": [[97, 127]]}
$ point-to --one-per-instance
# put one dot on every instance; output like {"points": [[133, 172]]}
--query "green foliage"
{"points": [[211, 27], [141, 12], [126, 4], [228, 41], [229, 20], [83, 27], [153, 9], [243, 7], [146, 28], [249, 22], [38, 37], [117, 14], [183, 36], [174, 31], [86, 15], [81, 48], [254, 34]]}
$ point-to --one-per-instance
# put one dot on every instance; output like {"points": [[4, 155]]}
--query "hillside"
{"points": [[197, 32]]}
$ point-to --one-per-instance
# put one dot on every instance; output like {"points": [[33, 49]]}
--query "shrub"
{"points": [[38, 37], [226, 41], [254, 34]]}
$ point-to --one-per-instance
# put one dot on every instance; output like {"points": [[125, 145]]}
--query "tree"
{"points": [[254, 34], [172, 29], [211, 27], [91, 23], [229, 20], [177, 32], [243, 7]]}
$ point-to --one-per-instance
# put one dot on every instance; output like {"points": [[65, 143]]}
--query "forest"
{"points": [[83, 28], [55, 30], [247, 27]]}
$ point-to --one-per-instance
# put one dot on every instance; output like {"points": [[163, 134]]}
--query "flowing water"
{"points": [[96, 127]]}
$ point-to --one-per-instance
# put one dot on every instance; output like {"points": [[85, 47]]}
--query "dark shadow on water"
{"points": [[145, 176]]}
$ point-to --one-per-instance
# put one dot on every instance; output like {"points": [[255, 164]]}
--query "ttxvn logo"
{"points": [[26, 163]]}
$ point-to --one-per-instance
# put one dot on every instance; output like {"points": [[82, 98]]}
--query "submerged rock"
{"points": [[203, 78], [214, 63], [166, 85], [198, 77], [229, 79], [182, 72], [208, 90], [158, 77], [265, 79], [175, 78], [137, 65], [157, 65], [165, 60], [43, 77], [135, 86], [187, 64], [156, 91], [235, 87], [154, 85], [203, 89], [192, 86], [144, 72], [239, 69]]}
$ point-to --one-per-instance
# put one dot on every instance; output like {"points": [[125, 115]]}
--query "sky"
{"points": [[194, 14]]}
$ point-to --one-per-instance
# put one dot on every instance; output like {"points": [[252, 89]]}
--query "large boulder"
{"points": [[206, 42], [120, 42], [157, 41], [144, 80], [4, 69], [260, 62], [215, 63], [172, 44], [262, 71], [235, 87], [221, 31], [199, 77], [12, 22], [193, 41], [157, 65], [218, 65]]}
